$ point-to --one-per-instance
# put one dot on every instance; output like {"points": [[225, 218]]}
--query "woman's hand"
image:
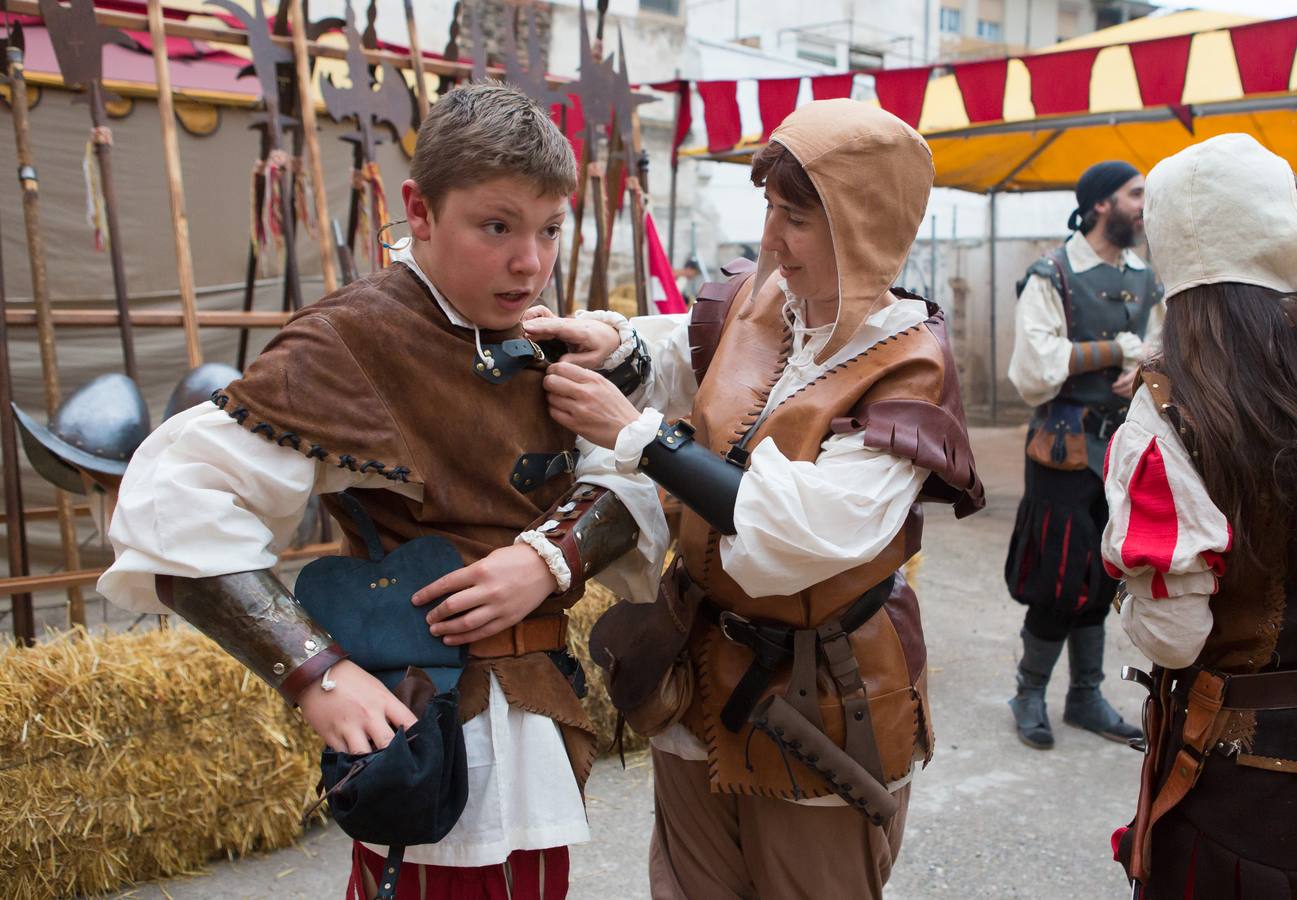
{"points": [[359, 715], [492, 594], [589, 341], [587, 403]]}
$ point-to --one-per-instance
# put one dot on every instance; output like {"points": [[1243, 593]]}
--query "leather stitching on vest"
{"points": [[847, 362], [344, 461]]}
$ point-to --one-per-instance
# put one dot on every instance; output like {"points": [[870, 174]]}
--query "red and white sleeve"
{"points": [[1165, 537]]}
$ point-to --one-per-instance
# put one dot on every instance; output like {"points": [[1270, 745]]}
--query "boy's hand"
{"points": [[494, 593], [1125, 385], [358, 715], [587, 403], [589, 341]]}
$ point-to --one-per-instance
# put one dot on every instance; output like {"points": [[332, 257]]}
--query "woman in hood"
{"points": [[1202, 483], [781, 673]]}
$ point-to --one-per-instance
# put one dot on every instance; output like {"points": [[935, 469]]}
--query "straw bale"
{"points": [[130, 757]]}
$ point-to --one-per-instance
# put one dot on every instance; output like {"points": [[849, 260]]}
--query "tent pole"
{"points": [[995, 366], [314, 167]]}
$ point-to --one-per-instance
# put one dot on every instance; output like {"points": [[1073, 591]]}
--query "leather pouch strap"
{"points": [[533, 635], [1262, 690], [803, 692], [391, 872], [1202, 726], [861, 744]]}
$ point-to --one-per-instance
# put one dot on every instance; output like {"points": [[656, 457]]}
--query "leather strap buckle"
{"points": [[724, 620]]}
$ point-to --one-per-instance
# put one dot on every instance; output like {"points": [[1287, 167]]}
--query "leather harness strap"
{"points": [[773, 644]]}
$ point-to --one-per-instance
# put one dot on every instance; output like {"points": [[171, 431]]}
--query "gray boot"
{"points": [[1086, 707], [1038, 659]]}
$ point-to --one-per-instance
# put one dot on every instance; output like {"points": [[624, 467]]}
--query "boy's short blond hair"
{"points": [[482, 131]]}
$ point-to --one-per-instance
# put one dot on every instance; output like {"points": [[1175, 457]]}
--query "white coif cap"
{"points": [[1223, 210]]}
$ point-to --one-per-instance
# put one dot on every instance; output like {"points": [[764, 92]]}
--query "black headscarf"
{"points": [[1098, 183]]}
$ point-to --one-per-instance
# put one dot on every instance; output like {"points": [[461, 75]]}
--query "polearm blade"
{"points": [[30, 187], [78, 42], [267, 57], [389, 105]]}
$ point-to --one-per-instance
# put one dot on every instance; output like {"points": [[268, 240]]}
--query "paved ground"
{"points": [[989, 818]]}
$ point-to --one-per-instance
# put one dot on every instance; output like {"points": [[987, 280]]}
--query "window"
{"points": [[950, 20], [990, 31], [666, 7], [814, 48]]}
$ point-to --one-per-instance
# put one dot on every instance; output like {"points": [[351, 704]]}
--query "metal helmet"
{"points": [[95, 430], [198, 385]]}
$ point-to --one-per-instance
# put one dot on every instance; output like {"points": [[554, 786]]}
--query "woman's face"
{"points": [[800, 239]]}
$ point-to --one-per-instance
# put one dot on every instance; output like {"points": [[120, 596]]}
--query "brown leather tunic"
{"points": [[901, 397], [375, 378]]}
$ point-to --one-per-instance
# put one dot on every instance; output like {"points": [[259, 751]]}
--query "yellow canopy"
{"points": [[1024, 152]]}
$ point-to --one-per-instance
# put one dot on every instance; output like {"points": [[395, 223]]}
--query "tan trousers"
{"points": [[717, 846]]}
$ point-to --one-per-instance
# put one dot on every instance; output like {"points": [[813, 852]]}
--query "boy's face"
{"points": [[491, 249]]}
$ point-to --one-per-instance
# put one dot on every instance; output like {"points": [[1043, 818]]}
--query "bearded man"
{"points": [[1088, 313]]}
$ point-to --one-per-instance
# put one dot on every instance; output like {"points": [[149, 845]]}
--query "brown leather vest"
{"points": [[375, 378], [912, 370]]}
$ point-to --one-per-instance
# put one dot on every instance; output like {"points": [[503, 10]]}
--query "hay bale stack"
{"points": [[135, 756]]}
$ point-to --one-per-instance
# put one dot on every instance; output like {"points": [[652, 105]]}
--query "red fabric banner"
{"points": [[571, 121], [982, 84], [1264, 52], [1160, 68], [684, 116], [901, 92], [721, 113], [832, 87], [776, 97], [662, 280], [1060, 82]]}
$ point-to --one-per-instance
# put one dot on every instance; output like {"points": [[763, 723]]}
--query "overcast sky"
{"points": [[1273, 9]]}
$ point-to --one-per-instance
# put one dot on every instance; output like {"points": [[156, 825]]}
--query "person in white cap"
{"points": [[1202, 487]]}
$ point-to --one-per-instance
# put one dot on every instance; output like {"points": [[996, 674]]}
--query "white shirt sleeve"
{"points": [[671, 384], [799, 523], [1042, 351], [635, 575], [202, 496], [1164, 536]]}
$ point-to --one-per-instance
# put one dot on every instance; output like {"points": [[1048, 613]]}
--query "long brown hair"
{"points": [[1231, 353]]}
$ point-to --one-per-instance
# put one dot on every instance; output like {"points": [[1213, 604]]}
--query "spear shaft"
{"points": [[103, 156], [15, 526], [41, 300]]}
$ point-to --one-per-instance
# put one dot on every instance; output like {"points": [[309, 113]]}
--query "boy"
{"points": [[399, 386]]}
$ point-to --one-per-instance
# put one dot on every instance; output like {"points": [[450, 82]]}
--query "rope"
{"points": [[96, 211]]}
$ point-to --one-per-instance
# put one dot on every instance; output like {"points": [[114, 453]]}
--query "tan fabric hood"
{"points": [[874, 174]]}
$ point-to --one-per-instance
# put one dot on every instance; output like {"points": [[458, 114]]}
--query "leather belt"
{"points": [[772, 644], [1102, 424], [1259, 690], [535, 635]]}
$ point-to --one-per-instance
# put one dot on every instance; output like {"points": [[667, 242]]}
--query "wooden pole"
{"points": [[675, 168], [578, 214], [314, 166], [41, 297], [416, 55], [638, 187], [103, 154], [598, 297], [175, 185], [24, 621]]}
